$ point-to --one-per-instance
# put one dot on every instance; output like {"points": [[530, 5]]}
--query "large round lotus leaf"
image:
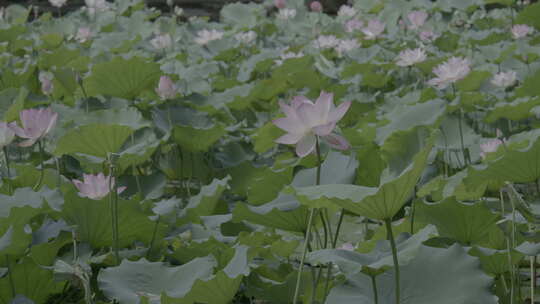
{"points": [[436, 275], [124, 78], [131, 280]]}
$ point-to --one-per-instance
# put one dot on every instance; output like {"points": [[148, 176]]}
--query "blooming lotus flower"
{"points": [[347, 246], [281, 4], [316, 6], [95, 187], [417, 19], [373, 29], [57, 3], [504, 79], [46, 79], [456, 68], [288, 55], [83, 34], [346, 45], [94, 6], [166, 88], [346, 11], [205, 36], [304, 121], [36, 123], [427, 36], [161, 42], [521, 30], [410, 57], [246, 37], [286, 13], [326, 42], [6, 135], [178, 11], [353, 25], [489, 147]]}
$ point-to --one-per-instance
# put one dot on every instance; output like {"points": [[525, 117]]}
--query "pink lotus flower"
{"points": [[521, 30], [504, 79], [347, 246], [346, 45], [417, 19], [46, 79], [166, 88], [96, 187], [489, 147], [410, 57], [427, 36], [456, 68], [373, 29], [94, 6], [353, 25], [161, 42], [305, 121], [280, 3], [316, 6], [36, 124], [346, 11], [6, 134], [83, 34]]}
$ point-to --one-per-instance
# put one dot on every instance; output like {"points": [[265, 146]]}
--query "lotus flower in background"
{"points": [[246, 37], [504, 79], [305, 121], [287, 55], [353, 25], [57, 3], [417, 19], [347, 246], [489, 147], [373, 29], [46, 79], [521, 30], [410, 57], [161, 42], [166, 88], [281, 4], [346, 45], [346, 11], [36, 123], [427, 36], [94, 6], [316, 6], [83, 34], [286, 13], [205, 36], [454, 69], [326, 42], [95, 187], [6, 134]]}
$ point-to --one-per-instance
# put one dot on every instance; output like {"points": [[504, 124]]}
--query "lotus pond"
{"points": [[386, 154]]}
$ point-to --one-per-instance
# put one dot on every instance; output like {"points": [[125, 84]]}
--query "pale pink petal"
{"points": [[306, 145], [339, 112], [308, 115], [323, 105], [17, 130], [300, 100], [120, 189], [27, 143], [324, 130], [337, 142], [289, 125], [289, 139], [51, 123]]}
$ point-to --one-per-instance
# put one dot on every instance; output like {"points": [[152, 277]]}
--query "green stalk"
{"points": [[374, 286], [6, 156], [388, 223], [113, 201], [154, 233], [334, 243], [511, 267], [309, 224], [42, 169]]}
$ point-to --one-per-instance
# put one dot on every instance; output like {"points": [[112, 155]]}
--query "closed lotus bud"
{"points": [[166, 88], [280, 3], [316, 6]]}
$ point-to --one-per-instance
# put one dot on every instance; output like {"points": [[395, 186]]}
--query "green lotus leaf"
{"points": [[516, 110], [242, 15], [265, 137], [494, 261], [473, 81], [124, 78], [529, 16], [130, 281], [422, 283], [206, 201], [198, 139]]}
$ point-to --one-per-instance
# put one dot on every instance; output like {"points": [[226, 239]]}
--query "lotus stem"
{"points": [[334, 243], [388, 223], [533, 278], [42, 168], [508, 247], [6, 157], [154, 233], [374, 286], [309, 224], [113, 201]]}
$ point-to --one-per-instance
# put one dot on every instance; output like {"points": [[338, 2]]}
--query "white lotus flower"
{"points": [[521, 30], [205, 36], [417, 19], [504, 79], [373, 29], [353, 25], [83, 34], [96, 187], [94, 6], [161, 42], [326, 42], [246, 37], [287, 55], [346, 11], [427, 36], [410, 57], [490, 147], [456, 68], [57, 3], [346, 45], [286, 13]]}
